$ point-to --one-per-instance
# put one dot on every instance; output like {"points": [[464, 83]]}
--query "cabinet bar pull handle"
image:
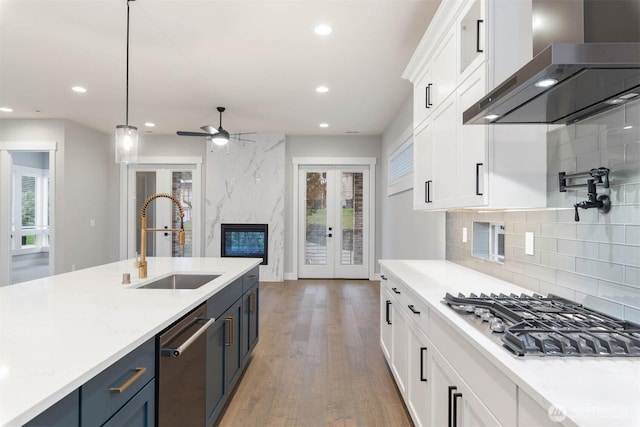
{"points": [[451, 389], [429, 104], [252, 303], [125, 385], [395, 290], [176, 352], [388, 313], [455, 408], [383, 277], [422, 351], [427, 191], [426, 96], [478, 165], [413, 309], [229, 321], [478, 22]]}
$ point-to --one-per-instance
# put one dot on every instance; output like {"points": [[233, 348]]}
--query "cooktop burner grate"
{"points": [[551, 325]]}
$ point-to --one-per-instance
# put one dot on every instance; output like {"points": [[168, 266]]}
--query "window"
{"points": [[488, 241], [401, 164], [30, 210]]}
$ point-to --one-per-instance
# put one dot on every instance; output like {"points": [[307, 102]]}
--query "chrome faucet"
{"points": [[142, 263]]}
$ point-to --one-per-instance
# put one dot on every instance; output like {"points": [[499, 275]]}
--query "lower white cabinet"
{"points": [[419, 375], [442, 379], [454, 403]]}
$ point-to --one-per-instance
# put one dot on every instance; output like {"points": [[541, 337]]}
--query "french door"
{"points": [[181, 181], [333, 217]]}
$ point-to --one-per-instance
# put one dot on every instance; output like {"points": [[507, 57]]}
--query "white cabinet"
{"points": [[393, 331], [454, 403], [418, 387], [469, 47]]}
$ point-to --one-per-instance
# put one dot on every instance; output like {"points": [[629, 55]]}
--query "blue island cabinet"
{"points": [[65, 413], [121, 395]]}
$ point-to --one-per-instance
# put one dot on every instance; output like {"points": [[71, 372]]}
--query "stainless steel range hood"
{"points": [[567, 82]]}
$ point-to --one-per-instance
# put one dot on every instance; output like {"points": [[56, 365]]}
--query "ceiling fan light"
{"points": [[221, 138]]}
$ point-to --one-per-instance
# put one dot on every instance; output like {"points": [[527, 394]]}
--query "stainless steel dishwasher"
{"points": [[182, 371]]}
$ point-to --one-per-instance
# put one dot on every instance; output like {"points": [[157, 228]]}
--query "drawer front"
{"points": [[106, 393], [250, 278], [220, 302], [496, 391], [416, 309]]}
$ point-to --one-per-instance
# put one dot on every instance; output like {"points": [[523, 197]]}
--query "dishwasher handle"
{"points": [[177, 351]]}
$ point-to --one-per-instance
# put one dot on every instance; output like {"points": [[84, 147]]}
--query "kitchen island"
{"points": [[58, 332], [491, 385]]}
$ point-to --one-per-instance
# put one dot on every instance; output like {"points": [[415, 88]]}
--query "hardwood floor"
{"points": [[318, 362]]}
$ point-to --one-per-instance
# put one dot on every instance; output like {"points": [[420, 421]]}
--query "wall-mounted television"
{"points": [[245, 241]]}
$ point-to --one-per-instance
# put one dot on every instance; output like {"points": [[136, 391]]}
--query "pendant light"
{"points": [[127, 136]]}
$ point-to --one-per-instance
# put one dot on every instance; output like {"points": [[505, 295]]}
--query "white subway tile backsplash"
{"points": [[600, 304], [546, 244], [600, 270], [632, 276], [627, 214], [578, 248], [621, 254], [561, 291], [632, 153], [632, 193], [623, 294], [632, 234], [577, 282], [600, 233], [631, 314], [559, 230]]}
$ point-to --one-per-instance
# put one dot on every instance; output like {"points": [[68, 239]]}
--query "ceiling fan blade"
{"points": [[209, 128], [237, 138], [244, 133], [187, 133]]}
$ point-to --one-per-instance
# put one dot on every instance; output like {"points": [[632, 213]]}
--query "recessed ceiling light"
{"points": [[150, 125], [546, 82], [491, 117], [79, 89], [323, 30], [324, 125], [322, 89], [6, 109]]}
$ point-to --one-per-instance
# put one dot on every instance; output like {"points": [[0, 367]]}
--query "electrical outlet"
{"points": [[464, 234], [528, 243]]}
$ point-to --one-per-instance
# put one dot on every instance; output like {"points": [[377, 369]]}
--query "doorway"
{"points": [[334, 221], [27, 172], [179, 180]]}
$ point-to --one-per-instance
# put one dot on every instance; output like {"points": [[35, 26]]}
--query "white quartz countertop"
{"points": [[594, 392], [58, 332]]}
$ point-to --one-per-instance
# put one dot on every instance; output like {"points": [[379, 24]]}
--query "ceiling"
{"points": [[260, 59]]}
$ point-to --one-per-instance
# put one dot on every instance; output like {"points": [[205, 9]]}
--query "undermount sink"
{"points": [[180, 281]]}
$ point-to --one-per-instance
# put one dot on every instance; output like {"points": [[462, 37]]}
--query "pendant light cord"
{"points": [[127, 75]]}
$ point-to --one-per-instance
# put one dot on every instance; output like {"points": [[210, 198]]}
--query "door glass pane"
{"points": [[315, 250], [182, 189], [145, 187], [351, 204]]}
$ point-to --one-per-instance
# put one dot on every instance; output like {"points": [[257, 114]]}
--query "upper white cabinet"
{"points": [[471, 46]]}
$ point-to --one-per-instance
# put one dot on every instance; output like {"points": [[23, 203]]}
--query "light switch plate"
{"points": [[464, 234], [528, 243]]}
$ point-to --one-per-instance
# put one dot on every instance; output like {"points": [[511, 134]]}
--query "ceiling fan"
{"points": [[219, 136]]}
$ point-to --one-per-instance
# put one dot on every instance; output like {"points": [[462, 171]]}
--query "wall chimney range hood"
{"points": [[568, 82]]}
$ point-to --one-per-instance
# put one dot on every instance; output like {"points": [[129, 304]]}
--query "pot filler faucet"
{"points": [[142, 263]]}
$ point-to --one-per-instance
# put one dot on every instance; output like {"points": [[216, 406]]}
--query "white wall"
{"points": [[86, 188], [324, 146], [406, 234]]}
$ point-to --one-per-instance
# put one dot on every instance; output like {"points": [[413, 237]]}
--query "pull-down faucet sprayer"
{"points": [[142, 263]]}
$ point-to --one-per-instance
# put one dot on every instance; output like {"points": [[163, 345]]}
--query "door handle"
{"points": [[252, 303], [455, 408], [478, 22], [330, 235], [125, 385], [427, 191], [395, 291], [229, 321], [422, 351], [177, 351], [478, 165], [452, 388], [388, 312], [413, 309], [166, 228]]}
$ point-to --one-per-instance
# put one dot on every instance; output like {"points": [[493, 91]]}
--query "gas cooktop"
{"points": [[535, 325]]}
